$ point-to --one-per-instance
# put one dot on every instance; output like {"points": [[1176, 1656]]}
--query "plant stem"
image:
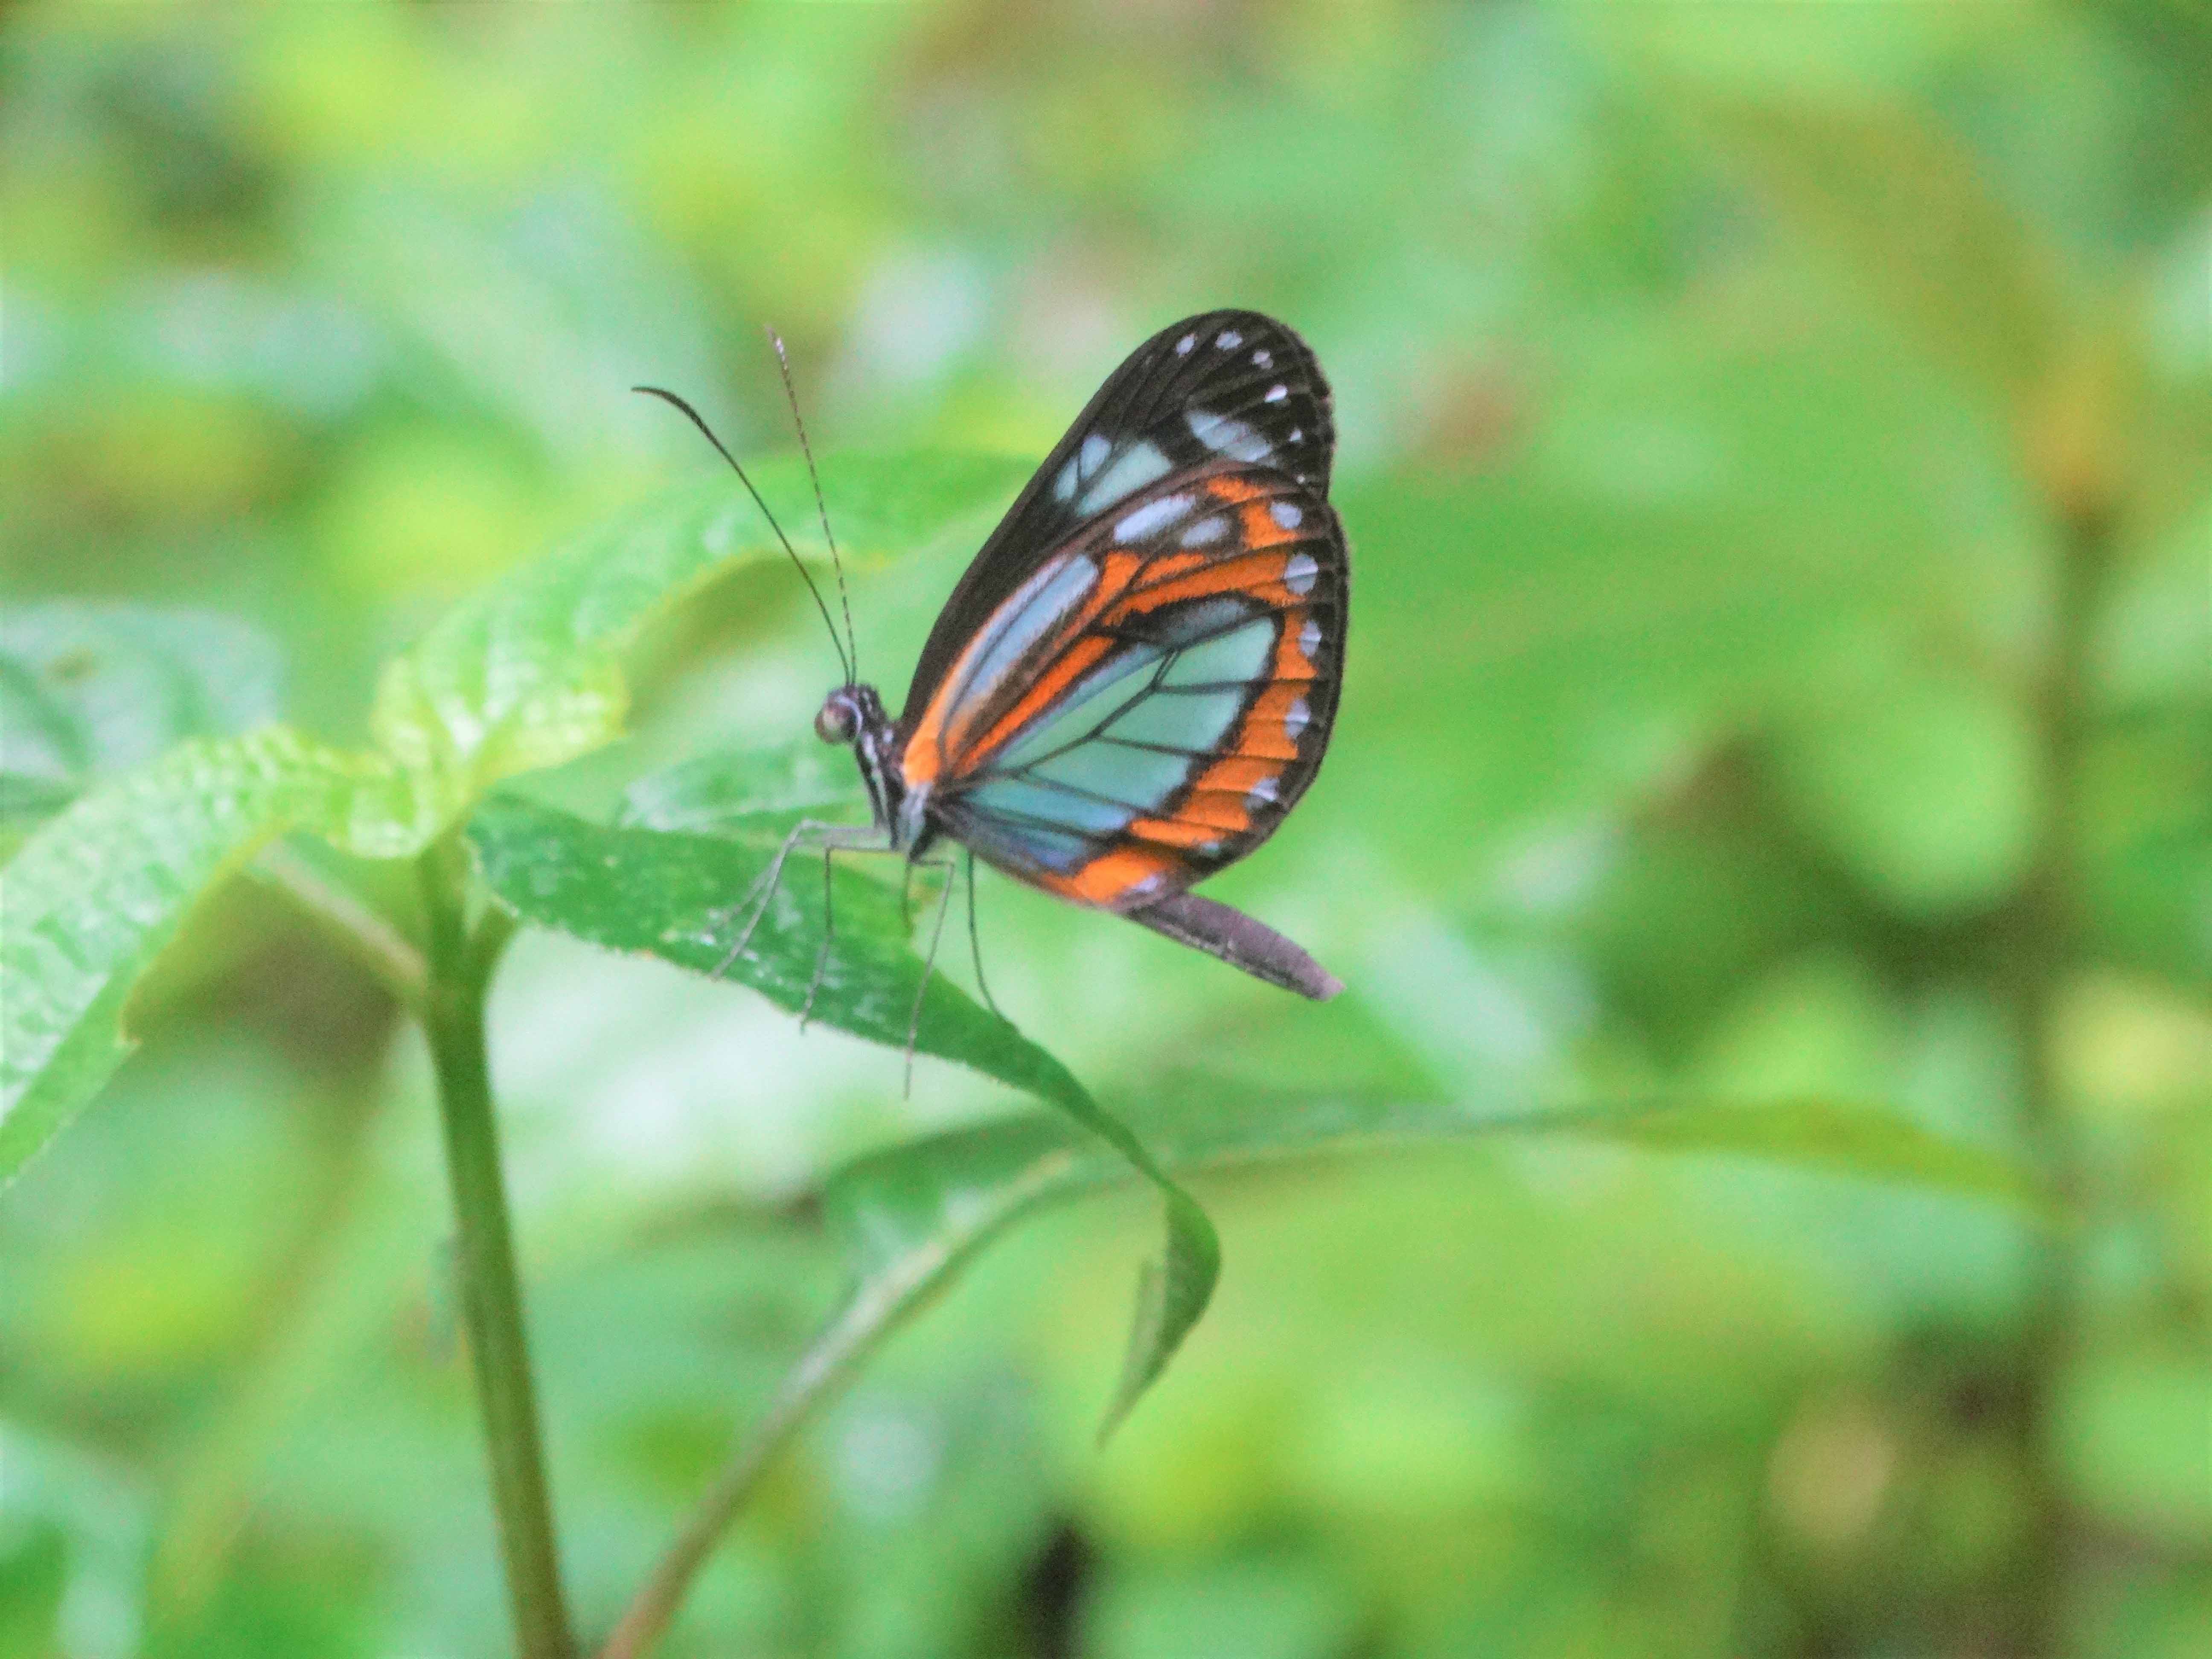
{"points": [[647, 1619], [830, 1358], [2046, 947], [829, 1361], [460, 965]]}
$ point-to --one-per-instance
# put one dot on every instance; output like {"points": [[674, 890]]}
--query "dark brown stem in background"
{"points": [[2047, 947], [460, 963]]}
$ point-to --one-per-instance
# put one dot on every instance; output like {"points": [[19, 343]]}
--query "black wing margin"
{"points": [[1227, 385]]}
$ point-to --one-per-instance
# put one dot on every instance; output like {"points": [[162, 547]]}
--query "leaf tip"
{"points": [[1172, 1295]]}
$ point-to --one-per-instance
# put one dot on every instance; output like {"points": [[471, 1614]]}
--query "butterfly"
{"points": [[1137, 677]]}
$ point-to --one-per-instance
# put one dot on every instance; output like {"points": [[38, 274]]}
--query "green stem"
{"points": [[647, 1619], [460, 965], [2047, 946], [829, 1361]]}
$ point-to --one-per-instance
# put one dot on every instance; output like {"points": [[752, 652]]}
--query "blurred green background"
{"points": [[1723, 393]]}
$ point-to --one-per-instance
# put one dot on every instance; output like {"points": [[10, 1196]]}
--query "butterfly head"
{"points": [[847, 712], [853, 714]]}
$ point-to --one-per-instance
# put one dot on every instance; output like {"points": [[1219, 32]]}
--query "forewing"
{"points": [[1229, 386], [1152, 701]]}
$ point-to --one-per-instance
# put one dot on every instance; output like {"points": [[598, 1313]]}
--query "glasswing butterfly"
{"points": [[1136, 677]]}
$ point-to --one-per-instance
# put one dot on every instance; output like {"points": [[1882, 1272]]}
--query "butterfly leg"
{"points": [[829, 837], [976, 944], [929, 964], [828, 933]]}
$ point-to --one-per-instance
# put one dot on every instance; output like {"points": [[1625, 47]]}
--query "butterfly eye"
{"points": [[839, 722]]}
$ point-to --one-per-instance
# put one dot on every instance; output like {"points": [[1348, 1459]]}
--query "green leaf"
{"points": [[92, 897], [742, 791], [529, 674], [684, 899], [525, 677], [943, 1196], [910, 1218], [89, 690], [1833, 1137]]}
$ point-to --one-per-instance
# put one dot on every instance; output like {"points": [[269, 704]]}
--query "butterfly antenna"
{"points": [[692, 415], [791, 396]]}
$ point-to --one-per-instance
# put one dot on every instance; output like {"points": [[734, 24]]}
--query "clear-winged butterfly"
{"points": [[1136, 677]]}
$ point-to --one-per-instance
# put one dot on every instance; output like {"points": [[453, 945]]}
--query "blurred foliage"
{"points": [[1723, 393]]}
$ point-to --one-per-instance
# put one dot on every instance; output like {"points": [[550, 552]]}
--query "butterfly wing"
{"points": [[1228, 385], [1150, 702]]}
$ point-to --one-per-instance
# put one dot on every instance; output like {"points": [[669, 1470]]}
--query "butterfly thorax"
{"points": [[854, 714]]}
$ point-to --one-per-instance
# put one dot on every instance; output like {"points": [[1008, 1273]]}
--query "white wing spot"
{"points": [[1299, 574], [1276, 394], [1262, 359], [1261, 793], [1309, 640], [1141, 465], [1093, 453], [1229, 339], [1063, 485], [1226, 437], [1295, 433], [1183, 346], [1205, 531], [1285, 513], [1150, 883], [1151, 517], [1296, 720]]}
